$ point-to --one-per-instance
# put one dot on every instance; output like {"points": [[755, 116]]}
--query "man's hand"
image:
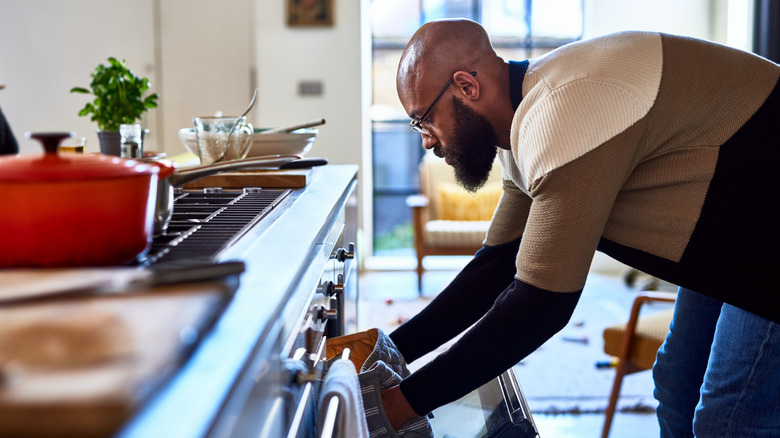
{"points": [[397, 409]]}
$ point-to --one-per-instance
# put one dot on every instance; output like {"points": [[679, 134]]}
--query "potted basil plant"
{"points": [[119, 99]]}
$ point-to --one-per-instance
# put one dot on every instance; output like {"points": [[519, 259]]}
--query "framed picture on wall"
{"points": [[307, 13]]}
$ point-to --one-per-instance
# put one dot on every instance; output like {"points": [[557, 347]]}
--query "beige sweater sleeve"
{"points": [[510, 216]]}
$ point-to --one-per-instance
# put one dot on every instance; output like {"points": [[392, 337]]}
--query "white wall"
{"points": [[339, 58], [196, 57], [332, 55], [204, 62], [47, 47], [201, 56]]}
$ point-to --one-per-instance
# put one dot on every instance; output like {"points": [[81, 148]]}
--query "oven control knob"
{"points": [[324, 314], [344, 254], [328, 288], [339, 287]]}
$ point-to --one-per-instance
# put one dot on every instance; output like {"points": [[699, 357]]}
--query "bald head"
{"points": [[440, 48], [459, 51]]}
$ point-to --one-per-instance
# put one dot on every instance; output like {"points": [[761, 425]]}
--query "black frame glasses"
{"points": [[416, 124]]}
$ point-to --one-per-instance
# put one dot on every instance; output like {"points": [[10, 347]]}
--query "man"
{"points": [[660, 151]]}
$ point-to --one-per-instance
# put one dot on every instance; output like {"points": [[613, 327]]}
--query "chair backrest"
{"points": [[447, 200]]}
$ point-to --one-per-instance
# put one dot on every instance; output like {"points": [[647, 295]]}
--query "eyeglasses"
{"points": [[416, 124]]}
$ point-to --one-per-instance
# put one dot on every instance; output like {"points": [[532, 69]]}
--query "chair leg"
{"points": [[624, 365], [419, 243], [419, 272], [620, 372]]}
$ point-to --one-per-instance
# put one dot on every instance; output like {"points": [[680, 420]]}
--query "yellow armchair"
{"points": [[448, 220]]}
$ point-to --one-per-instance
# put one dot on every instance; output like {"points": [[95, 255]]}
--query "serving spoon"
{"points": [[233, 127], [308, 124]]}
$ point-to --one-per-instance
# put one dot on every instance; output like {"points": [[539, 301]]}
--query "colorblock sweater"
{"points": [[660, 151]]}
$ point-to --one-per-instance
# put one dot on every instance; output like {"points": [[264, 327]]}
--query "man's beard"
{"points": [[474, 147]]}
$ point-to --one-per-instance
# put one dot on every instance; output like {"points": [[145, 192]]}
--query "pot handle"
{"points": [[304, 163], [185, 176]]}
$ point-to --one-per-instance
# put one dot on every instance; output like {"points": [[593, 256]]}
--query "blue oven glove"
{"points": [[386, 352]]}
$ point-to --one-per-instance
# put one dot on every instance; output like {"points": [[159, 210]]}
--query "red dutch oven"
{"points": [[60, 210]]}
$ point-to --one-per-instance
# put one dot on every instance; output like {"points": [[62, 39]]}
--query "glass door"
{"points": [[518, 29]]}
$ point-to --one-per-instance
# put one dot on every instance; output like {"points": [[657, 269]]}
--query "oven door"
{"points": [[497, 409]]}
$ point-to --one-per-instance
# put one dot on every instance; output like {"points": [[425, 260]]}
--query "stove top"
{"points": [[207, 221]]}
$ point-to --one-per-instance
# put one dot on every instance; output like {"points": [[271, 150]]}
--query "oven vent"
{"points": [[204, 224]]}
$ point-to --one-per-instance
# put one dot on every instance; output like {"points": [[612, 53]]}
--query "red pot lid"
{"points": [[53, 166], [167, 168]]}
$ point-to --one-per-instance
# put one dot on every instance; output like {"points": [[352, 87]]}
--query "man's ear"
{"points": [[467, 84]]}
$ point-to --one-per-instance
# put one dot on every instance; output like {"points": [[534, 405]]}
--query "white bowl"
{"points": [[296, 142]]}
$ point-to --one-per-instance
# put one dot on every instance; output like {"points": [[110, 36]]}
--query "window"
{"points": [[519, 29]]}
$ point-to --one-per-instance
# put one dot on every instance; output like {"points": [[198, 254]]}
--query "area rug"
{"points": [[561, 377]]}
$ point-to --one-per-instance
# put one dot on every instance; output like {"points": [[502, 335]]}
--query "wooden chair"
{"points": [[635, 344], [448, 220]]}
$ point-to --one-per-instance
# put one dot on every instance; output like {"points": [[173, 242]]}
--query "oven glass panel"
{"points": [[497, 409]]}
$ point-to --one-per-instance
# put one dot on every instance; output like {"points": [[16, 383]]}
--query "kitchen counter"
{"points": [[242, 356], [284, 262]]}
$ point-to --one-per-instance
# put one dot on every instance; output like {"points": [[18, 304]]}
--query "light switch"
{"points": [[310, 88]]}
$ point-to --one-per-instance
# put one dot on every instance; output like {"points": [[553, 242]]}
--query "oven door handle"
{"points": [[311, 373], [297, 420], [516, 404], [329, 417]]}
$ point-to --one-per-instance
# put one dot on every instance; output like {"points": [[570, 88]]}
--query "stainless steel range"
{"points": [[244, 378], [258, 371]]}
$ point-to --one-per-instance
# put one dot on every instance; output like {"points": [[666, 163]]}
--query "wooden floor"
{"points": [[398, 287]]}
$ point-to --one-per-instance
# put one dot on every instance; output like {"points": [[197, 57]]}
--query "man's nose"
{"points": [[429, 141]]}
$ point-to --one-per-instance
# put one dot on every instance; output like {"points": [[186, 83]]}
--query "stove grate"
{"points": [[204, 224]]}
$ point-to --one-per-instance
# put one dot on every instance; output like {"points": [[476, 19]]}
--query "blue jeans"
{"points": [[718, 372]]}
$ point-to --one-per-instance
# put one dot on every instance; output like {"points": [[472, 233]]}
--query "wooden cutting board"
{"points": [[80, 367], [293, 178]]}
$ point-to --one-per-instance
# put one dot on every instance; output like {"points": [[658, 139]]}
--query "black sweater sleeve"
{"points": [[522, 319], [470, 294]]}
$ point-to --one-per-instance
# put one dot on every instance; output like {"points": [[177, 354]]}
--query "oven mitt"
{"points": [[377, 377], [367, 348]]}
